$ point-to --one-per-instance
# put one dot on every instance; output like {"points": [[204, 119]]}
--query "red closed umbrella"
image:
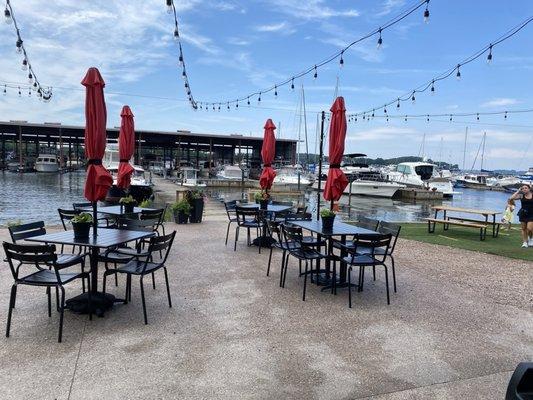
{"points": [[126, 147], [268, 151], [337, 181], [98, 178]]}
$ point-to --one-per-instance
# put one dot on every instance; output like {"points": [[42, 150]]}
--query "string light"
{"points": [[426, 13], [275, 92], [489, 56], [339, 55], [456, 69], [45, 94], [169, 6], [433, 87], [398, 104], [380, 39]]}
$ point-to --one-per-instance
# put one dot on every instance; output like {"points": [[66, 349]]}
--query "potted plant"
{"points": [[196, 201], [81, 224], [262, 198], [328, 217], [181, 211], [128, 203]]}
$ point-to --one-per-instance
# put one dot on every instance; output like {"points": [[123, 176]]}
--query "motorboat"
{"points": [[422, 175], [140, 188], [188, 176], [359, 187], [232, 173], [292, 175], [46, 162], [472, 181]]}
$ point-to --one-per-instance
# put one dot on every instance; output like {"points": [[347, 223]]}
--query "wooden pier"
{"points": [[417, 194]]}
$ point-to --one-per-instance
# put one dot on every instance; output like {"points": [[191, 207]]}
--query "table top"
{"points": [[339, 228], [465, 210], [115, 210], [106, 238], [271, 207]]}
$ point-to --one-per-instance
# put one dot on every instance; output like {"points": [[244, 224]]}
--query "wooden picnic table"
{"points": [[484, 213]]}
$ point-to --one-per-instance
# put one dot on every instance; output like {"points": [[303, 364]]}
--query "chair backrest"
{"points": [[29, 254], [67, 215], [130, 224], [390, 228], [292, 234], [301, 209], [230, 208], [161, 244], [368, 223], [24, 231], [77, 206], [158, 214], [372, 242], [305, 216], [274, 229], [245, 214]]}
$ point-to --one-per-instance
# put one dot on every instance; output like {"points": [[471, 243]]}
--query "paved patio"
{"points": [[456, 329]]}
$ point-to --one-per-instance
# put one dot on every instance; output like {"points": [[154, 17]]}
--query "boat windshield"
{"points": [[424, 171]]}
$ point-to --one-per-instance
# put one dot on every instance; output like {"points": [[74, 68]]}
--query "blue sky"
{"points": [[234, 47]]}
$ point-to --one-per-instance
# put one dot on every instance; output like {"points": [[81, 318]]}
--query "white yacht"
{"points": [[290, 174], [46, 163], [232, 173], [422, 175], [360, 187], [188, 176], [471, 181]]}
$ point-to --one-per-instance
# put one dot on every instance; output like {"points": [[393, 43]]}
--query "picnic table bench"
{"points": [[471, 222], [447, 222]]}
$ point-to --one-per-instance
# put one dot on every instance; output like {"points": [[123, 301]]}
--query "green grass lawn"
{"points": [[507, 244]]}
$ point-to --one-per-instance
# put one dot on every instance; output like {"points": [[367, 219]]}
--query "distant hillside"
{"points": [[313, 158]]}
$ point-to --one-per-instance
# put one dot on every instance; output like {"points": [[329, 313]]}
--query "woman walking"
{"points": [[525, 214]]}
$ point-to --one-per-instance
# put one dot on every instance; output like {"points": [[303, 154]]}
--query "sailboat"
{"points": [[472, 180]]}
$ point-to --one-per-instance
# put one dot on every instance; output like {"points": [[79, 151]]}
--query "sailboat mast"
{"points": [[299, 131], [305, 129], [483, 150], [464, 149], [440, 151]]}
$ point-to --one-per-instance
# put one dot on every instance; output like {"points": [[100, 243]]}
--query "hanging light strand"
{"points": [[451, 116], [339, 56], [171, 9], [430, 85], [43, 93]]}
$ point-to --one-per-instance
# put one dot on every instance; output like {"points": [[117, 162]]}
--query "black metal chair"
{"points": [[385, 228], [248, 218], [25, 231], [274, 230], [41, 255], [102, 221], [300, 250], [362, 222], [158, 214], [230, 211], [371, 259], [142, 265]]}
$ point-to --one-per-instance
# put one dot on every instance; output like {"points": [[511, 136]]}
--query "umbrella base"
{"points": [[100, 303]]}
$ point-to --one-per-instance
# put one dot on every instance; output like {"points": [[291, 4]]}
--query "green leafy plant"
{"points": [[127, 200], [182, 206], [261, 195], [145, 203], [83, 218], [326, 213]]}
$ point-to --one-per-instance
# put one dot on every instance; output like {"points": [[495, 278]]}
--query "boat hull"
{"points": [[44, 167], [384, 190]]}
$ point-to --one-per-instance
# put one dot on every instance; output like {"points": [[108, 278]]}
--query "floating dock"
{"points": [[418, 194]]}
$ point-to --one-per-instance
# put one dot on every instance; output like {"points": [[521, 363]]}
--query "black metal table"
{"points": [[341, 229], [116, 210], [106, 238], [265, 239]]}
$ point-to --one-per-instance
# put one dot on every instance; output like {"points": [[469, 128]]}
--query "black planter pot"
{"points": [[327, 223], [180, 217], [263, 204], [128, 207], [197, 210], [81, 229]]}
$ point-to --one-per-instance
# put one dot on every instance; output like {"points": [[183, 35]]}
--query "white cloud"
{"points": [[505, 153], [281, 27], [238, 41], [500, 102], [311, 9], [381, 133], [389, 6]]}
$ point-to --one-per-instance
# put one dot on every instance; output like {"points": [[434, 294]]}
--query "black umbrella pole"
{"points": [[321, 154], [95, 221]]}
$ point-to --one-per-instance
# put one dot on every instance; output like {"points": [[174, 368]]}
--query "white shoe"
{"points": [[524, 244], [530, 243]]}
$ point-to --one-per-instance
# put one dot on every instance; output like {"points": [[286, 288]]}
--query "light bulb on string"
{"points": [[248, 100], [489, 56], [356, 118], [34, 87], [30, 78], [5, 90], [214, 107], [477, 116], [169, 6], [373, 113], [505, 115], [426, 13], [380, 40], [259, 98], [19, 45], [29, 92], [341, 61], [20, 93], [458, 74], [237, 104], [384, 109], [432, 87], [387, 118], [406, 118], [315, 74], [24, 65], [364, 116], [292, 84], [228, 106], [218, 106], [413, 99], [451, 118], [7, 16], [427, 119], [180, 59], [184, 74], [398, 104], [176, 34], [276, 91]]}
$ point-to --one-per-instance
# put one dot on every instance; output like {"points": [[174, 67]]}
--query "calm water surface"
{"points": [[31, 197]]}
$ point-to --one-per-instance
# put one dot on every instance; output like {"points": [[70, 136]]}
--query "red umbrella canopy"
{"points": [[336, 181], [126, 147], [98, 178], [268, 151]]}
